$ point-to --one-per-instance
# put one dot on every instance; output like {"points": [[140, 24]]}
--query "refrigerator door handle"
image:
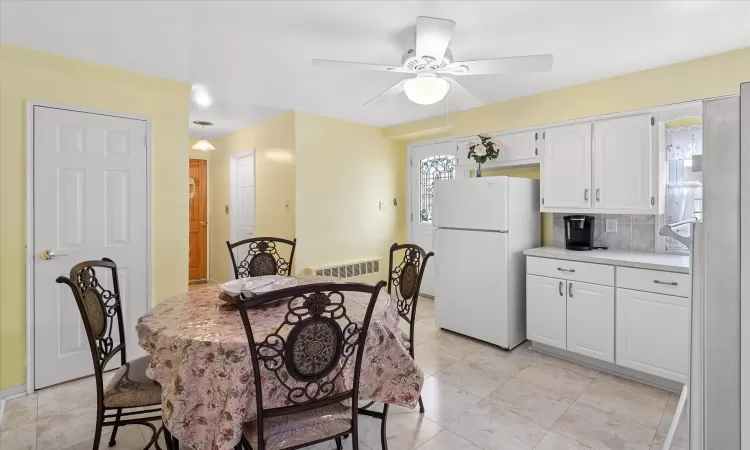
{"points": [[503, 231]]}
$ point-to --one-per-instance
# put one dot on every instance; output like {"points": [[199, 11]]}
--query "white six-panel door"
{"points": [[427, 163], [566, 167], [90, 202], [242, 181], [622, 160]]}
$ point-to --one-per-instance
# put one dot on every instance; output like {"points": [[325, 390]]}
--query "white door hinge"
{"points": [[412, 217], [411, 163]]}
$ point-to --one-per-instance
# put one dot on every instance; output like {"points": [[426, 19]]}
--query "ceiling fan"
{"points": [[432, 62]]}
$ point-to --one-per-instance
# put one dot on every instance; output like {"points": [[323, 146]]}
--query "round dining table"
{"points": [[200, 356]]}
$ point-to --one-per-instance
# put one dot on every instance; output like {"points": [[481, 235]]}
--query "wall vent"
{"points": [[348, 270]]}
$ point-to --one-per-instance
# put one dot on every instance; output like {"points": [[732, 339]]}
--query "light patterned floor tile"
{"points": [[431, 359], [425, 308], [22, 437], [573, 367], [627, 402], [500, 361], [529, 401], [556, 441], [19, 411], [331, 445], [405, 430], [640, 387], [76, 396], [446, 440], [555, 379], [458, 344], [443, 402], [681, 437], [491, 427], [602, 430], [472, 378]]}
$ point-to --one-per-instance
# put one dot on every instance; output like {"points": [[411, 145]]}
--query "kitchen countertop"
{"points": [[638, 260]]}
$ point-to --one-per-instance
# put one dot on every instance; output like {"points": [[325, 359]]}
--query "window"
{"points": [[684, 179], [440, 167]]}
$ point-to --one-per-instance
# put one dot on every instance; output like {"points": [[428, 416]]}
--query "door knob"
{"points": [[203, 224], [49, 254]]}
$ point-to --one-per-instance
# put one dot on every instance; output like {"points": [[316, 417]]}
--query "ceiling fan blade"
{"points": [[387, 94], [515, 64], [461, 96], [433, 36], [357, 66]]}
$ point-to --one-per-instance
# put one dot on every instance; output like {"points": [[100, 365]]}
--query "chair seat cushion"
{"points": [[296, 429], [130, 387]]}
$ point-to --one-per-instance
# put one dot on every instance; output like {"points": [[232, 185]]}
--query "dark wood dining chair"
{"points": [[262, 257], [129, 388], [404, 283], [304, 358]]}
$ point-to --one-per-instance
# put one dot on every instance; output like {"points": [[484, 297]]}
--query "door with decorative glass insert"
{"points": [[90, 201], [427, 162]]}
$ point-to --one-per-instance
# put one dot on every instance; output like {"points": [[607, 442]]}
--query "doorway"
{"points": [[198, 217], [88, 197], [428, 161], [241, 200]]}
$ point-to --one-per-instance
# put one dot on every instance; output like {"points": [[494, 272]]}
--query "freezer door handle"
{"points": [[561, 291], [503, 231]]}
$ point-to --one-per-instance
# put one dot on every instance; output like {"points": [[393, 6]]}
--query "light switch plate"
{"points": [[382, 205], [611, 226]]}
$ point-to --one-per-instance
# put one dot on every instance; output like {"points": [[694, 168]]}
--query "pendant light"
{"points": [[203, 145]]}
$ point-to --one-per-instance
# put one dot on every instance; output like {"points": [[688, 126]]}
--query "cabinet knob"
{"points": [[570, 290], [561, 291], [597, 194], [586, 195]]}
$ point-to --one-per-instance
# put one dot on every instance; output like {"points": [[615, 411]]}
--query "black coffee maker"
{"points": [[579, 232]]}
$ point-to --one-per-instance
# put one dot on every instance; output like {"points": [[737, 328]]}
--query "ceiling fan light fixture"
{"points": [[426, 89]]}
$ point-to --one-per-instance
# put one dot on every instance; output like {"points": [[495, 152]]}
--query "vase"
{"points": [[478, 173]]}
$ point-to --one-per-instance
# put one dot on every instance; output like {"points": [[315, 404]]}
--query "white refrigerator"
{"points": [[483, 227]]}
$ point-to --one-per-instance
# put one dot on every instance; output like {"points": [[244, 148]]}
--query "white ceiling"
{"points": [[254, 56]]}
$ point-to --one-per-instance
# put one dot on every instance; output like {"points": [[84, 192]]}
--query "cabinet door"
{"points": [[517, 146], [566, 167], [653, 333], [591, 320], [623, 160], [545, 310]]}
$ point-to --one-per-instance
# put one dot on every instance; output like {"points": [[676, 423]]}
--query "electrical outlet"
{"points": [[611, 226], [382, 205]]}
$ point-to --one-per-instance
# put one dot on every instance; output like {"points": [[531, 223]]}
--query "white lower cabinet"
{"points": [[591, 320], [653, 333], [545, 310]]}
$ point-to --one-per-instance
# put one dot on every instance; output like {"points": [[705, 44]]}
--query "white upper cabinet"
{"points": [[566, 167], [517, 146], [622, 158]]}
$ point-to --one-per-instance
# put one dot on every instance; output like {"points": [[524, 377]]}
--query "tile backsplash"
{"points": [[635, 232]]}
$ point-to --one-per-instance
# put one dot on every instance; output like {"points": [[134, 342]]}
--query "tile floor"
{"points": [[476, 397]]}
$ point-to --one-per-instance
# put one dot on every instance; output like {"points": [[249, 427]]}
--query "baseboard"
{"points": [[614, 369], [12, 391], [8, 394]]}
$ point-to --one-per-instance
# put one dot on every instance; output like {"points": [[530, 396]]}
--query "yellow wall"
{"points": [[343, 170], [273, 141], [700, 78], [31, 75]]}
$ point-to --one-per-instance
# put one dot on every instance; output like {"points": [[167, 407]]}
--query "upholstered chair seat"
{"points": [[297, 429], [131, 388]]}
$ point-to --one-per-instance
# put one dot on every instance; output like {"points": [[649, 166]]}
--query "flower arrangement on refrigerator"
{"points": [[485, 150]]}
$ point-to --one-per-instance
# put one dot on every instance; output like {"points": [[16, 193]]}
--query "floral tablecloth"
{"points": [[200, 357]]}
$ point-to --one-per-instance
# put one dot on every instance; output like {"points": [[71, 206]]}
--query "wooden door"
{"points": [[546, 300], [90, 202], [566, 167], [591, 320], [198, 267], [622, 164]]}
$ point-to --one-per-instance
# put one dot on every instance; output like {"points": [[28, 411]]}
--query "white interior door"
{"points": [[427, 163], [90, 202], [244, 207]]}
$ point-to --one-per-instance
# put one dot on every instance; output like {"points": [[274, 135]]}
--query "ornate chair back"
{"points": [[405, 280], [262, 257]]}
